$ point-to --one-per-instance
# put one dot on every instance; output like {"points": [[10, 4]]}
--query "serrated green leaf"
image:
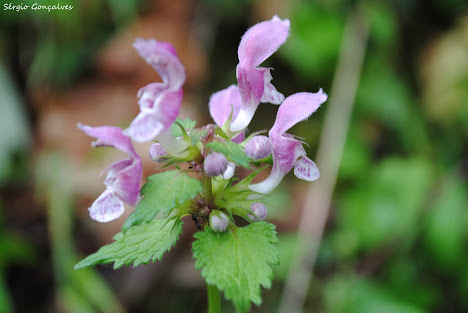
{"points": [[139, 245], [187, 124], [196, 134], [234, 152], [163, 192], [238, 262]]}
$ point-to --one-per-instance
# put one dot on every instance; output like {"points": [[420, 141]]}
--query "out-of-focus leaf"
{"points": [[5, 301], [313, 46], [14, 249], [74, 302], [14, 130], [444, 76], [356, 157], [383, 94], [384, 32], [229, 9], [402, 272], [82, 290], [447, 229], [387, 203], [353, 295]]}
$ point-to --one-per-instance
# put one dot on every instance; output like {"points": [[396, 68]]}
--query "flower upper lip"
{"points": [[159, 102]]}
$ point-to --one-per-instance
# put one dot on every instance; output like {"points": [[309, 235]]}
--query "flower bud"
{"points": [[259, 147], [260, 212], [218, 221], [215, 164], [158, 153]]}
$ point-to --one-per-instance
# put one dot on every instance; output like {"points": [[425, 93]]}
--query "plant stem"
{"points": [[214, 303], [206, 180]]}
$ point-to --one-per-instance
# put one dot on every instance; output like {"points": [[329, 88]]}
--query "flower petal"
{"points": [[222, 102], [270, 94], [159, 102], [109, 136], [113, 169], [229, 172], [148, 95], [107, 207], [286, 150], [123, 177], [163, 58], [261, 41], [144, 127], [258, 147], [127, 183], [239, 138], [257, 44], [306, 169], [296, 108]]}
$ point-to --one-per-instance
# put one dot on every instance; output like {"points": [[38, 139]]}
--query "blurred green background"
{"points": [[396, 237]]}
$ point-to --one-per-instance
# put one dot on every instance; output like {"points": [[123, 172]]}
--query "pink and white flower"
{"points": [[257, 45], [123, 177], [288, 151], [159, 102]]}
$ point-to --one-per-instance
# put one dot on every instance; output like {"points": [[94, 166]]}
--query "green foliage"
{"points": [[312, 49], [387, 204], [187, 124], [14, 249], [447, 231], [347, 294], [14, 131], [163, 192], [5, 301], [196, 134], [234, 152], [86, 290], [238, 261], [237, 199], [357, 156], [139, 245]]}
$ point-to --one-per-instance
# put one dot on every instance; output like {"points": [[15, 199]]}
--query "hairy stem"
{"points": [[214, 302], [206, 181]]}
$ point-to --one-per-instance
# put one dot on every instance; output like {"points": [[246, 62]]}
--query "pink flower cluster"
{"points": [[160, 104]]}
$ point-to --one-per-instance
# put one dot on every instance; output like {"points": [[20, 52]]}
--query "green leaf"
{"points": [[446, 225], [238, 262], [196, 134], [236, 199], [163, 192], [220, 132], [387, 204], [187, 124], [139, 245], [234, 152]]}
